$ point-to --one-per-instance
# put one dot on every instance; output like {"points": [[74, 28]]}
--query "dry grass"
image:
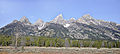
{"points": [[37, 53], [61, 50]]}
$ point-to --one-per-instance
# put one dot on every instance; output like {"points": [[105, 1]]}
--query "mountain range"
{"points": [[85, 27]]}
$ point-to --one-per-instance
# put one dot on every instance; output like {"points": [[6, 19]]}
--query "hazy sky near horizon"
{"points": [[108, 10]]}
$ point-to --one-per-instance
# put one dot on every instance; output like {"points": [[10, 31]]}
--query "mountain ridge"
{"points": [[85, 27]]}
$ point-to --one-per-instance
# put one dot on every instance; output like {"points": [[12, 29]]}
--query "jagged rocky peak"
{"points": [[25, 20], [72, 19], [59, 19], [39, 21], [87, 16], [40, 24], [87, 19], [15, 21]]}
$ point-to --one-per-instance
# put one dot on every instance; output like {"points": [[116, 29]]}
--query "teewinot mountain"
{"points": [[85, 27]]}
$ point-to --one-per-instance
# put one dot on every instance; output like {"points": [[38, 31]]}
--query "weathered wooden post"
{"points": [[16, 37]]}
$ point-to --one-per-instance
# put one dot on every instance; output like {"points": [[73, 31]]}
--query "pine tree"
{"points": [[47, 43], [28, 41], [117, 44], [75, 43]]}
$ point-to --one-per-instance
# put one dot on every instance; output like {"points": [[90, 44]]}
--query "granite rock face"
{"points": [[85, 27], [58, 20], [87, 19], [22, 27], [25, 21], [40, 24]]}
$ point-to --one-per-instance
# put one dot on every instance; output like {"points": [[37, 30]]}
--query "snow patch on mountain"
{"points": [[42, 26], [66, 25]]}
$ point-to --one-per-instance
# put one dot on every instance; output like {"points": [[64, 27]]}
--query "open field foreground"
{"points": [[57, 50]]}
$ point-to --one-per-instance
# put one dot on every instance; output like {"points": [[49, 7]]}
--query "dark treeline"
{"points": [[55, 42]]}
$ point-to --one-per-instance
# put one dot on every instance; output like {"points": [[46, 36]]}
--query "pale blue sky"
{"points": [[108, 10]]}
